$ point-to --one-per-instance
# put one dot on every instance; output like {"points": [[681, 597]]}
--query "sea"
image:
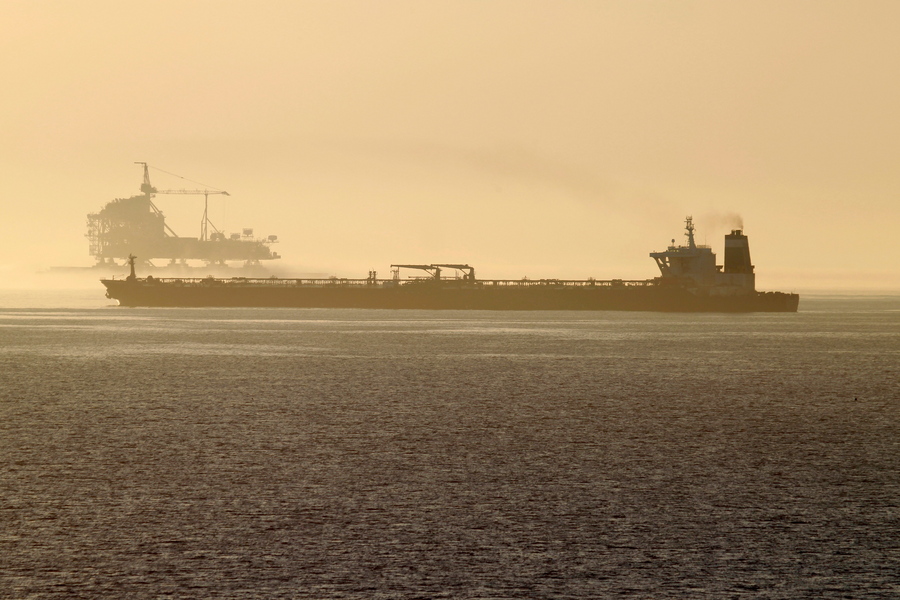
{"points": [[311, 453]]}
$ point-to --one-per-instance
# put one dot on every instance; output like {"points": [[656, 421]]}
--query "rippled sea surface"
{"points": [[275, 453]]}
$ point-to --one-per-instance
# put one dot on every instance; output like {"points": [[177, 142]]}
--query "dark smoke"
{"points": [[716, 224]]}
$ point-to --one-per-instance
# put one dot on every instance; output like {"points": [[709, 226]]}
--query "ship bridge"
{"points": [[692, 261]]}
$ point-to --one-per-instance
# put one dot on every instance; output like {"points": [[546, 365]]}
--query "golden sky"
{"points": [[548, 139]]}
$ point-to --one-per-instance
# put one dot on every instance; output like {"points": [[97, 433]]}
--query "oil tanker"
{"points": [[689, 281]]}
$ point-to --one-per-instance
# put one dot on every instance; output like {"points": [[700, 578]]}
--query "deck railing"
{"points": [[389, 283]]}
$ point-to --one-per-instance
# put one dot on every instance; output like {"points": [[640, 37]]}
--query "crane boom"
{"points": [[193, 192], [432, 270], [469, 272]]}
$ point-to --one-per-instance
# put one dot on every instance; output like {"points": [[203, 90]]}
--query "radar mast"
{"points": [[689, 228]]}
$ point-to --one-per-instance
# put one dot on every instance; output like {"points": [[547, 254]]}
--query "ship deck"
{"points": [[389, 283]]}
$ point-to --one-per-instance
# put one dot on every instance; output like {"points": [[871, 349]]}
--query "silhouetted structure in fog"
{"points": [[135, 225]]}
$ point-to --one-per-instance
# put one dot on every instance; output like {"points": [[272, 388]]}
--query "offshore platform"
{"points": [[135, 225]]}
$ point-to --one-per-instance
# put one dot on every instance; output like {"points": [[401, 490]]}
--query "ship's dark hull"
{"points": [[285, 293]]}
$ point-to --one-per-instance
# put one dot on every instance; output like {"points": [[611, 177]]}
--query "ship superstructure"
{"points": [[695, 265], [135, 225]]}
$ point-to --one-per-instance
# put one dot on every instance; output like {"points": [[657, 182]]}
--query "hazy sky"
{"points": [[550, 138]]}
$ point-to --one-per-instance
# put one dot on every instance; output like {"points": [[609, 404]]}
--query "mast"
{"points": [[131, 258], [689, 227]]}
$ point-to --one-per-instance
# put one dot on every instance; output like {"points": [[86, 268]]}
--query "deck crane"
{"points": [[205, 223], [468, 272], [432, 270]]}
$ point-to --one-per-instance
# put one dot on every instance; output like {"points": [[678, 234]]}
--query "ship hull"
{"points": [[428, 296]]}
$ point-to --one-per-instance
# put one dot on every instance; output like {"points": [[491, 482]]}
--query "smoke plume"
{"points": [[714, 224]]}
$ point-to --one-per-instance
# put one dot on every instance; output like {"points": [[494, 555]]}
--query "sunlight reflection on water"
{"points": [[335, 454]]}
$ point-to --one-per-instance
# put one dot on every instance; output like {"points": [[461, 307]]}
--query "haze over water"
{"points": [[408, 454], [523, 137]]}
